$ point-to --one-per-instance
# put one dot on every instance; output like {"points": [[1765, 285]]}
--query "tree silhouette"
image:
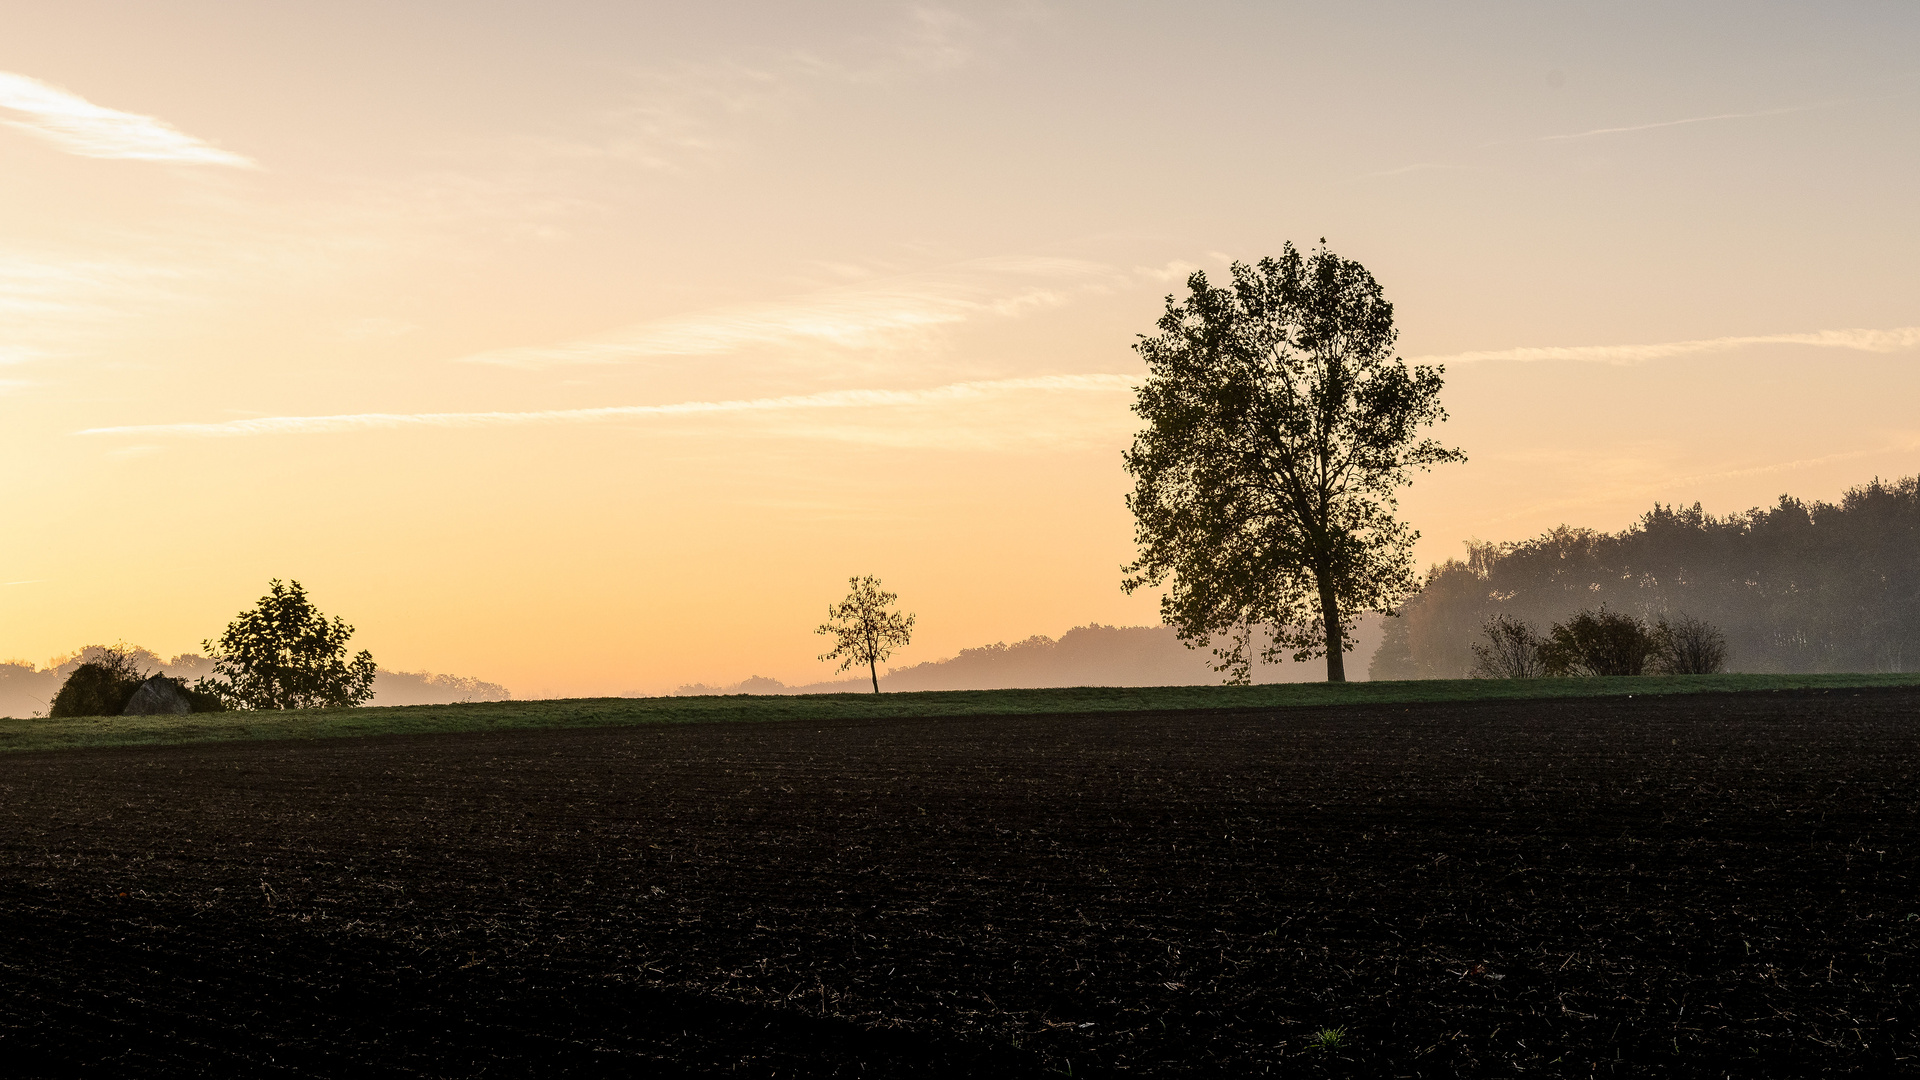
{"points": [[864, 630], [284, 654], [1279, 427]]}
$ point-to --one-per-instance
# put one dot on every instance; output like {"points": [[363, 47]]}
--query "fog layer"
{"points": [[1083, 656], [25, 689]]}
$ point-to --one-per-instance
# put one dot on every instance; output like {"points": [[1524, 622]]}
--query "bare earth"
{"points": [[1716, 884]]}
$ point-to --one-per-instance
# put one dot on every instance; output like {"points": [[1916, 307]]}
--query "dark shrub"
{"points": [[202, 700], [106, 682], [1690, 646], [1511, 651], [1599, 643], [95, 688]]}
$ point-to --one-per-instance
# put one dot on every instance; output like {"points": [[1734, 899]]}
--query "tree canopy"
{"points": [[284, 654], [1280, 424], [864, 628]]}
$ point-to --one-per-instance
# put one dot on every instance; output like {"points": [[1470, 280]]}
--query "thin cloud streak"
{"points": [[78, 126], [1678, 123], [833, 399], [1873, 341]]}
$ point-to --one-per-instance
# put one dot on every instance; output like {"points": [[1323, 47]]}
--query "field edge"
{"points": [[123, 731]]}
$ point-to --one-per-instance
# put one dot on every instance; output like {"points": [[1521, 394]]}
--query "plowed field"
{"points": [[1714, 884]]}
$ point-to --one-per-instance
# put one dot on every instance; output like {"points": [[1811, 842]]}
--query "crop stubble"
{"points": [[1704, 885]]}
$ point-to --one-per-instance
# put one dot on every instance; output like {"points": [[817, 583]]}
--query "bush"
{"points": [[202, 700], [104, 684], [97, 688], [1511, 651], [1599, 643], [1690, 646]]}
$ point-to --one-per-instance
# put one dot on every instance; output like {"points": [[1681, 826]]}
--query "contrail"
{"points": [[832, 399], [1678, 123]]}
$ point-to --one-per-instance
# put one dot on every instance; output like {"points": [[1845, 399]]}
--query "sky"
{"points": [[589, 348]]}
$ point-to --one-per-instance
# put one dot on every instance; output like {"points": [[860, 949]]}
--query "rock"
{"points": [[158, 696]]}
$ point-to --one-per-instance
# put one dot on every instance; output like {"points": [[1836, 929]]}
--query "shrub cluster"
{"points": [[103, 685], [99, 687], [1599, 642]]}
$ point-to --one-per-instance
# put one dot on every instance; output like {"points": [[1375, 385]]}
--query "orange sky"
{"points": [[588, 348]]}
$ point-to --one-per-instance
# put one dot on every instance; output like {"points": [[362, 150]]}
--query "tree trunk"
{"points": [[1330, 614], [874, 670]]}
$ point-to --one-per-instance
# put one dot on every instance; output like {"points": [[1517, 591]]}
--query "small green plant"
{"points": [[1329, 1038]]}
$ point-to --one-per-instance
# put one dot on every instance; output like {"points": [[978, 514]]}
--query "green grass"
{"points": [[1330, 1038], [616, 712]]}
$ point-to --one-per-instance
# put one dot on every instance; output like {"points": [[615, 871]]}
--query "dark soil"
{"points": [[1704, 885]]}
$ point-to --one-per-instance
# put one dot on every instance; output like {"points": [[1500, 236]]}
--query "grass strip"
{"points": [[103, 731]]}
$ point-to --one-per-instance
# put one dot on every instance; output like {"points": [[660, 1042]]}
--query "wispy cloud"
{"points": [[891, 313], [833, 399], [1874, 341], [78, 126], [49, 305], [1418, 166], [1658, 476], [38, 288], [689, 114], [1681, 122]]}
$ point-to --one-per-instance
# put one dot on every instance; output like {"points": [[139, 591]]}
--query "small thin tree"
{"points": [[1511, 651], [864, 628], [1690, 646]]}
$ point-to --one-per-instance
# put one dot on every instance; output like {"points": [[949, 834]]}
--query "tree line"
{"points": [[1796, 587]]}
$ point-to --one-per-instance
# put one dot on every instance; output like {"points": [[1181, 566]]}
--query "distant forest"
{"points": [[1799, 587]]}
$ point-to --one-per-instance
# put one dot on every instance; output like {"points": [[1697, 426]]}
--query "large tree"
{"points": [[1280, 424], [864, 627], [284, 654]]}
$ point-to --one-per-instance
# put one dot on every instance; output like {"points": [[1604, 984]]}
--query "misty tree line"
{"points": [[1797, 587]]}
